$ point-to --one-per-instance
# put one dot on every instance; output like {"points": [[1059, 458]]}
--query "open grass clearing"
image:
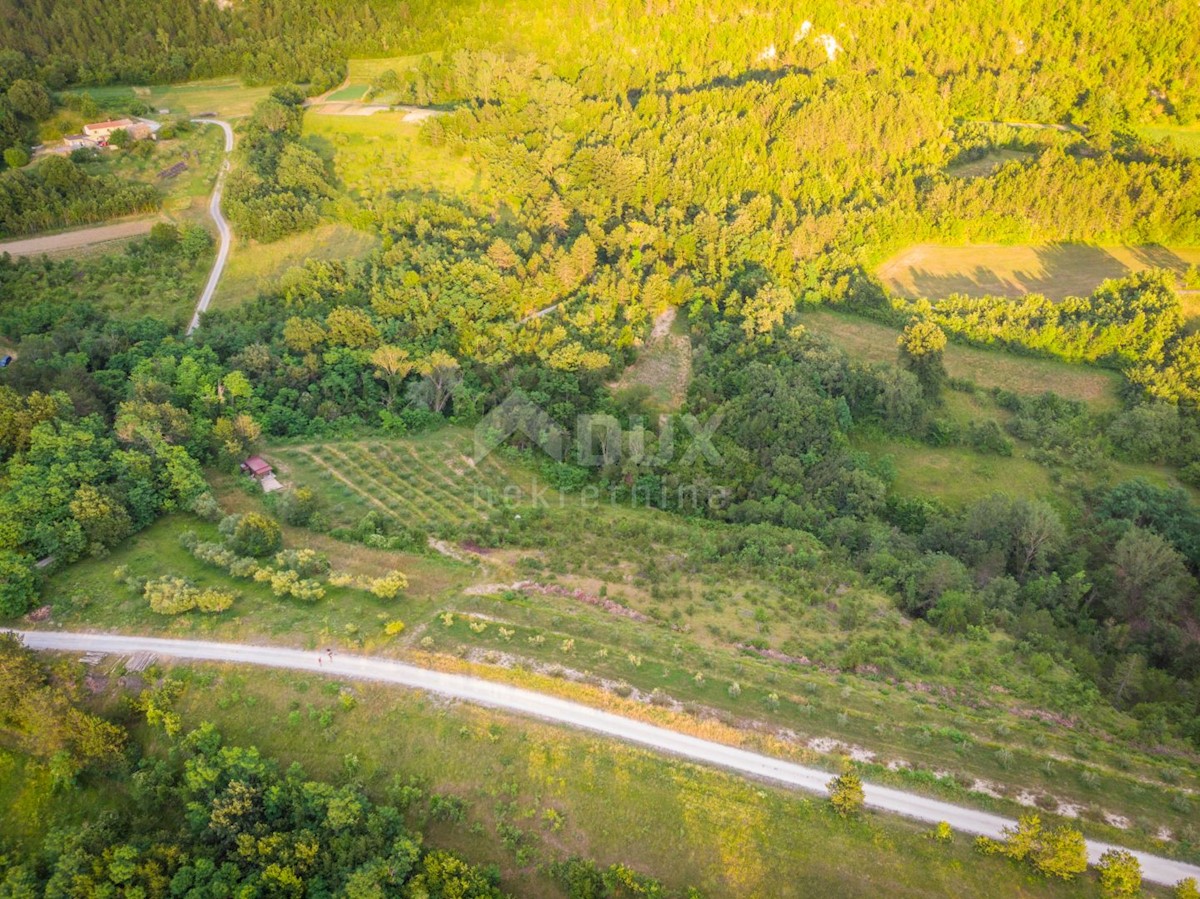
{"points": [[1186, 137], [375, 155], [256, 268], [1053, 270], [224, 97], [365, 71], [87, 594], [869, 341], [663, 366], [988, 164]]}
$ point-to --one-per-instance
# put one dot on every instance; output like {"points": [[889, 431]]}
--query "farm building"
{"points": [[257, 467], [260, 469], [102, 131]]}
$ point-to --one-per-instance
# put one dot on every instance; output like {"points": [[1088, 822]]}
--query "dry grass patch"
{"points": [[869, 341], [1053, 270]]}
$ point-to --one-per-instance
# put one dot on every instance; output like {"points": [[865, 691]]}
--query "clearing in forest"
{"points": [[869, 341], [383, 152], [1185, 137], [987, 164], [1053, 270], [663, 366], [224, 97], [255, 268]]}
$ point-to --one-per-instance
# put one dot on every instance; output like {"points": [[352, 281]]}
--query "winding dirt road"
{"points": [[225, 235], [560, 711]]}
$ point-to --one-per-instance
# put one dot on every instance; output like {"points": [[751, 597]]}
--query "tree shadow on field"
{"points": [[1158, 256], [1062, 270]]}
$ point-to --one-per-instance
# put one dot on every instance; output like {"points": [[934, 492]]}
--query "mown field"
{"points": [[1054, 270], [361, 73], [870, 341], [705, 634], [226, 97], [374, 155], [521, 793]]}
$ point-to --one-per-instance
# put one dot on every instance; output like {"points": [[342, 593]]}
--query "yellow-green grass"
{"points": [[365, 71], [431, 480], [1054, 270], [958, 475], [226, 97], [987, 165], [87, 594], [553, 793], [377, 154], [351, 92], [663, 367], [1186, 137], [255, 268], [870, 341]]}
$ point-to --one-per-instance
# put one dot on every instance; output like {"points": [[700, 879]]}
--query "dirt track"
{"points": [[73, 240]]}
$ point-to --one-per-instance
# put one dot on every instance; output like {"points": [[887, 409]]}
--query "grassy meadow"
{"points": [[377, 154], [987, 164], [1054, 270], [1185, 137], [223, 97], [255, 268], [870, 341]]}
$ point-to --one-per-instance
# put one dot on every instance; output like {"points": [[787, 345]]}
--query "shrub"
{"points": [[305, 562], [846, 793], [297, 507], [388, 586], [163, 236], [393, 627], [215, 600], [289, 583], [18, 586], [1120, 873], [256, 535], [1056, 853], [170, 595], [1187, 889], [206, 506], [16, 157]]}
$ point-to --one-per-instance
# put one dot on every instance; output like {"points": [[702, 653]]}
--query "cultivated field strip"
{"points": [[423, 484]]}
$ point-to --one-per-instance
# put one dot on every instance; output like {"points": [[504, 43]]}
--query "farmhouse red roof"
{"points": [[257, 465]]}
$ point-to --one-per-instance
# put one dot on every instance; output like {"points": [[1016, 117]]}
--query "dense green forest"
{"points": [[736, 165]]}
